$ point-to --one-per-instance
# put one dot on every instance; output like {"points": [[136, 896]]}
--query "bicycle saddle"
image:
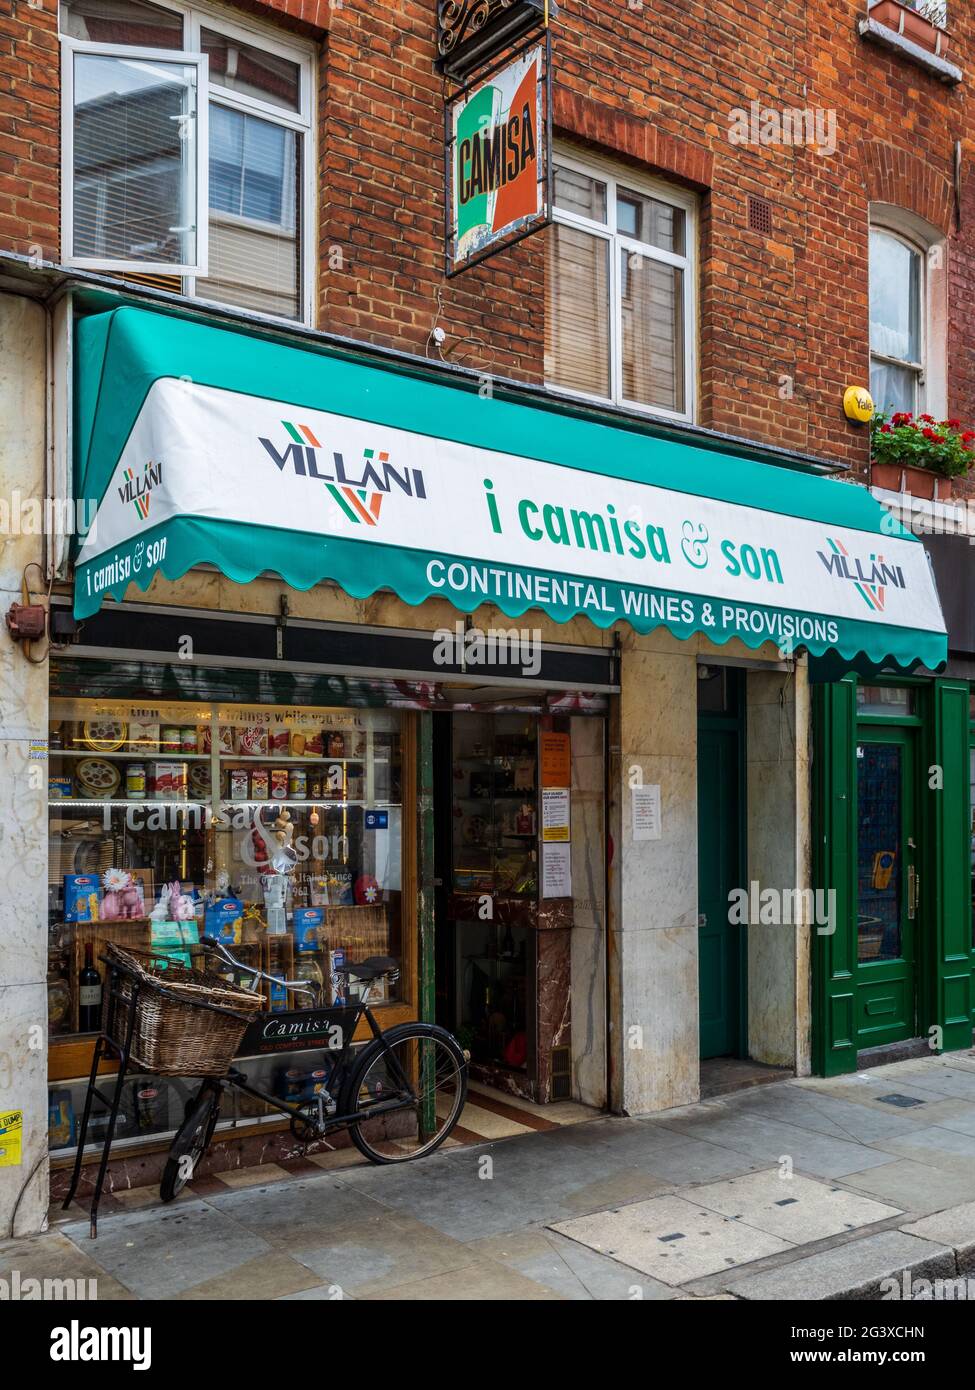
{"points": [[370, 969]]}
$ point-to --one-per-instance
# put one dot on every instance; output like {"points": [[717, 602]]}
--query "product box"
{"points": [[305, 924], [339, 887], [59, 787], [60, 1120], [279, 741], [167, 781], [238, 783], [82, 895], [172, 940], [143, 736], [224, 921], [250, 740], [278, 994], [204, 738]]}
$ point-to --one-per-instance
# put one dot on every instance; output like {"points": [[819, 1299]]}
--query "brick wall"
{"points": [[783, 317]]}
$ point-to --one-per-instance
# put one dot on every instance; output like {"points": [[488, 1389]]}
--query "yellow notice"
{"points": [[11, 1138]]}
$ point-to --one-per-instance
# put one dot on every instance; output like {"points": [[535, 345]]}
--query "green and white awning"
{"points": [[198, 444]]}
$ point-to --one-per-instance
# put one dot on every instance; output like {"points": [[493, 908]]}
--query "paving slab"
{"points": [[937, 1146], [672, 1239], [770, 1141], [54, 1256], [798, 1209], [485, 1282], [269, 1276], [159, 1253], [854, 1270], [286, 1213], [831, 1115], [918, 1188], [568, 1268], [363, 1258], [954, 1227]]}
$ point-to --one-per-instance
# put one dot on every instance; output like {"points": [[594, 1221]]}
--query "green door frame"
{"points": [[944, 955], [735, 722]]}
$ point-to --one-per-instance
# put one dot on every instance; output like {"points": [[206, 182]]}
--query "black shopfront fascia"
{"points": [[190, 640]]}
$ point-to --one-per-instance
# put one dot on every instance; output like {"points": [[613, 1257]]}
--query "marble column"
{"points": [[23, 774], [779, 857], [653, 883]]}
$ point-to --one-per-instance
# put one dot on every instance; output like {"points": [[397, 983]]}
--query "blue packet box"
{"points": [[305, 923], [224, 921]]}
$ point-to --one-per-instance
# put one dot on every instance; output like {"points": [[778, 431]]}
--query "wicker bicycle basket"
{"points": [[187, 1022]]}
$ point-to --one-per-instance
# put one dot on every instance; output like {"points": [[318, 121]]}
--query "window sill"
{"points": [[876, 32]]}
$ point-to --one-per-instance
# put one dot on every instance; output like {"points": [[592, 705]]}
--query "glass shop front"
{"points": [[162, 817], [167, 802]]}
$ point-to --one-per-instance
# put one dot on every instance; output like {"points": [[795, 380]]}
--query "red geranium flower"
{"points": [[954, 424], [928, 419], [901, 417]]}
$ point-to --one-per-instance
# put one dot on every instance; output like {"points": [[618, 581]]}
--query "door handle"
{"points": [[702, 919], [913, 883]]}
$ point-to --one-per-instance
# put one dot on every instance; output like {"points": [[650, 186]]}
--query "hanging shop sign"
{"points": [[498, 146]]}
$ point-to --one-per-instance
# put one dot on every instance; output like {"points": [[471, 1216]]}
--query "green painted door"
{"points": [[719, 859], [888, 887]]}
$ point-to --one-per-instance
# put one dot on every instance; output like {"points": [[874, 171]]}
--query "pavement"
{"points": [[859, 1187]]}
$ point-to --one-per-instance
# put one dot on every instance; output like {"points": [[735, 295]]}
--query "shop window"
{"points": [[896, 702], [619, 289], [162, 822], [192, 168]]}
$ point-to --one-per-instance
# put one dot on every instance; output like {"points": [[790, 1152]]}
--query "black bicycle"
{"points": [[399, 1095]]}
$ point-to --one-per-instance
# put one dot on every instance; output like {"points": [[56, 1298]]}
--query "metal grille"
{"points": [[561, 1073], [759, 215]]}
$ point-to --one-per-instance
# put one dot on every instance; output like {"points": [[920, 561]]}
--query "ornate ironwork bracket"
{"points": [[472, 32]]}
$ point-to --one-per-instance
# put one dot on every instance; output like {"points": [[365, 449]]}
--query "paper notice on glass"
{"points": [[555, 813], [645, 802], [556, 871]]}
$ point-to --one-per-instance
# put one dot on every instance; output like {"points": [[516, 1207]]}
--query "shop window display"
{"points": [[167, 822]]}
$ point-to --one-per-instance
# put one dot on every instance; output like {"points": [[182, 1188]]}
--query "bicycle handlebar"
{"points": [[298, 986]]}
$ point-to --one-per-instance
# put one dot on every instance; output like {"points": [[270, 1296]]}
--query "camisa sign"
{"points": [[496, 165]]}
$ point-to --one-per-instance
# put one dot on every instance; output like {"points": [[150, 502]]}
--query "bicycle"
{"points": [[400, 1096]]}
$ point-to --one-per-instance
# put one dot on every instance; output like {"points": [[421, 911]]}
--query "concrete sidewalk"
{"points": [[807, 1189]]}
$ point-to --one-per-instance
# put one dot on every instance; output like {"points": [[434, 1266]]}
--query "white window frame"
{"points": [[931, 368], [618, 176], [303, 122], [70, 48]]}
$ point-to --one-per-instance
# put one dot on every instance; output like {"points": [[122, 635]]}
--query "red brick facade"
{"points": [[782, 318]]}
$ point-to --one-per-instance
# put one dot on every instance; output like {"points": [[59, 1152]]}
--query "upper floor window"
{"points": [[619, 289], [188, 153], [896, 320]]}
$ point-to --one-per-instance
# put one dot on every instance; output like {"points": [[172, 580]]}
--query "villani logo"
{"points": [[358, 497], [871, 577], [137, 489]]}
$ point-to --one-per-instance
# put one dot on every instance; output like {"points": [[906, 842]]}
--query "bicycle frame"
{"points": [[336, 1016]]}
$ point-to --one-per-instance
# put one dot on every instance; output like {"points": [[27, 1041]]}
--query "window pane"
{"points": [[580, 194], [254, 246], [895, 299], [884, 699], [134, 176], [651, 324], [893, 388], [648, 219], [242, 68], [577, 311], [879, 851], [128, 22]]}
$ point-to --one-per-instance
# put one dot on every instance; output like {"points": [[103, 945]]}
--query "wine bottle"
{"points": [[89, 994]]}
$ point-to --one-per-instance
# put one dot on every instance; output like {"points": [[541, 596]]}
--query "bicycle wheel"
{"points": [[416, 1063], [191, 1143]]}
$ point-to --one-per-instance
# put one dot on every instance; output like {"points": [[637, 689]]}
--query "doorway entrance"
{"points": [[887, 887], [722, 944]]}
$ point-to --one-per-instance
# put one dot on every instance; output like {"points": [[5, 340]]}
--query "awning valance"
{"points": [[200, 444]]}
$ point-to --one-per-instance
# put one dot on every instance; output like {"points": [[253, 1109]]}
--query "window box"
{"points": [[919, 482], [912, 24]]}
